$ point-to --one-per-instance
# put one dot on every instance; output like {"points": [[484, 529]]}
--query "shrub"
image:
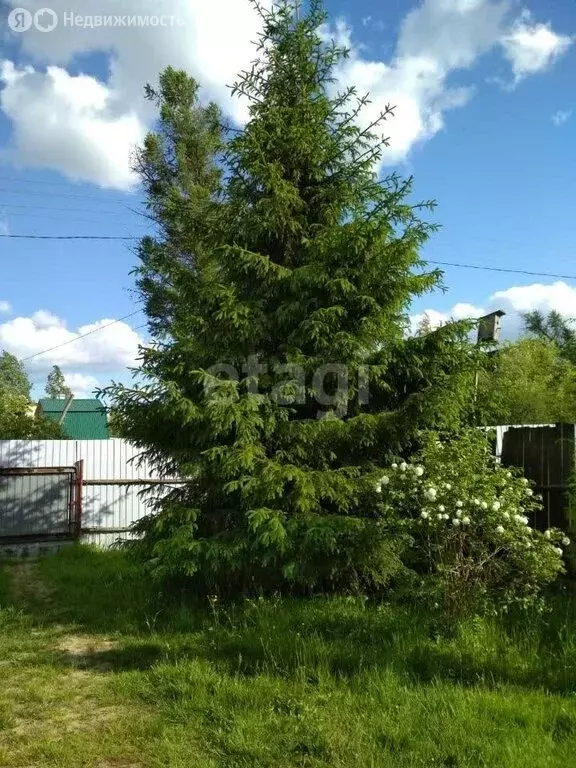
{"points": [[315, 555], [471, 522]]}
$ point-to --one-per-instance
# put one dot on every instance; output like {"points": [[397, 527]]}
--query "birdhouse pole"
{"points": [[489, 327]]}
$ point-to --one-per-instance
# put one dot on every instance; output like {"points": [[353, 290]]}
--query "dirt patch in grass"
{"points": [[87, 651], [82, 645], [56, 708], [62, 700], [48, 710]]}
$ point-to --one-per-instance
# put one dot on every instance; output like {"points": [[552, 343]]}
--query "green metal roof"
{"points": [[57, 405], [84, 420]]}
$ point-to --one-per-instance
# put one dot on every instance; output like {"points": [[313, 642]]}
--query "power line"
{"points": [[62, 184], [69, 237], [500, 269], [81, 336], [44, 216], [33, 208], [54, 194], [428, 261]]}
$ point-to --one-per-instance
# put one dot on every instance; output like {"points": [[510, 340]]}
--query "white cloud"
{"points": [[82, 385], [213, 41], [68, 124], [85, 128], [437, 39], [561, 116], [109, 349], [5, 307], [558, 296], [515, 301], [435, 319], [43, 319], [452, 33], [532, 47]]}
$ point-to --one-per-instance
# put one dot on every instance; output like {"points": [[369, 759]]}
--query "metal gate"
{"points": [[41, 503]]}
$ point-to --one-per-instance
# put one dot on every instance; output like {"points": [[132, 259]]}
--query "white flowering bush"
{"points": [[471, 524]]}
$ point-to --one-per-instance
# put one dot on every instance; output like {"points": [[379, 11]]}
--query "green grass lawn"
{"points": [[99, 668]]}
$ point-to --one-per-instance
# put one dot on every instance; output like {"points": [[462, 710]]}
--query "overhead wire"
{"points": [[43, 182], [459, 265], [93, 198], [68, 237], [82, 336], [33, 208], [500, 269]]}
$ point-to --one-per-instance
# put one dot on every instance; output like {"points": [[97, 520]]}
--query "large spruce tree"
{"points": [[277, 288]]}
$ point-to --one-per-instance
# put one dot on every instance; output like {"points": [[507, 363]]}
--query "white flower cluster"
{"points": [[558, 538], [443, 507], [417, 470], [384, 480]]}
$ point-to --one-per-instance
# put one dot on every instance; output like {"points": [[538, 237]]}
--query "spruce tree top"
{"points": [[56, 386]]}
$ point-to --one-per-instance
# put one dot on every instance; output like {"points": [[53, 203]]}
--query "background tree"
{"points": [[555, 328], [114, 424], [56, 386], [531, 383], [13, 376], [278, 289], [18, 421]]}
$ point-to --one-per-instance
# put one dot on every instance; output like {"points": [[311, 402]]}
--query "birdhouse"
{"points": [[489, 327]]}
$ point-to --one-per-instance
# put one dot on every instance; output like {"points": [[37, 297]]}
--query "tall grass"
{"points": [[316, 682]]}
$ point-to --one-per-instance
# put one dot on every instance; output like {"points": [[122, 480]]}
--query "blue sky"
{"points": [[486, 122]]}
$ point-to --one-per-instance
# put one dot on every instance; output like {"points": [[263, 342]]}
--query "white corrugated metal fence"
{"points": [[110, 503]]}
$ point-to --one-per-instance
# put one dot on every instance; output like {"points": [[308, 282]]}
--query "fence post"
{"points": [[79, 488]]}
